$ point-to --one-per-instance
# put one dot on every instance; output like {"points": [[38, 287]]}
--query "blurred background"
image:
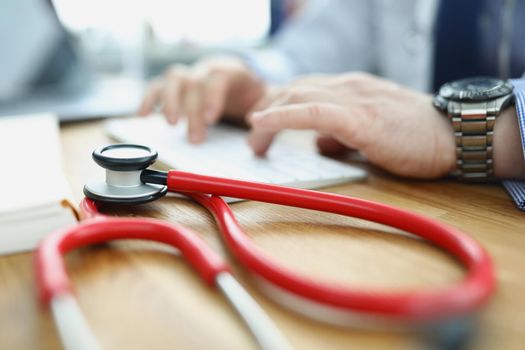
{"points": [[82, 58], [119, 34]]}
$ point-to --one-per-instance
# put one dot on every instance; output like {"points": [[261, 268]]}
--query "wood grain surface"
{"points": [[139, 295]]}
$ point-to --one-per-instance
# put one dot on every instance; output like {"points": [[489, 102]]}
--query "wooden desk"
{"points": [[141, 296]]}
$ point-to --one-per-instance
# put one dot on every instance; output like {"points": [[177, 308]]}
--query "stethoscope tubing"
{"points": [[436, 303], [414, 305], [97, 228], [56, 290]]}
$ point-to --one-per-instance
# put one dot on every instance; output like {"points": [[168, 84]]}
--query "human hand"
{"points": [[203, 93], [394, 127]]}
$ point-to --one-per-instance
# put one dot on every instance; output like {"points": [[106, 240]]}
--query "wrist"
{"points": [[447, 150], [508, 157], [474, 106]]}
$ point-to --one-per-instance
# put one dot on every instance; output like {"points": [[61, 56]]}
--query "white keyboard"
{"points": [[226, 154]]}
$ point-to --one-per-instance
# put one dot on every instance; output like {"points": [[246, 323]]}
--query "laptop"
{"points": [[41, 70]]}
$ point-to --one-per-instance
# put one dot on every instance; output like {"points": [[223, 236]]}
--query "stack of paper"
{"points": [[33, 187]]}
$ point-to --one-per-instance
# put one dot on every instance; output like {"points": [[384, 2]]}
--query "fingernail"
{"points": [[253, 144], [172, 120], [258, 150], [197, 137]]}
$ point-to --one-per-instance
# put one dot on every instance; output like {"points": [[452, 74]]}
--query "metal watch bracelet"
{"points": [[473, 125]]}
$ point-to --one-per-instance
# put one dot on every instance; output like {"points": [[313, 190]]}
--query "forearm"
{"points": [[508, 157]]}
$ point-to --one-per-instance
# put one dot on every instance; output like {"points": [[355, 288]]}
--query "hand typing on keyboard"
{"points": [[203, 93], [214, 87], [394, 127]]}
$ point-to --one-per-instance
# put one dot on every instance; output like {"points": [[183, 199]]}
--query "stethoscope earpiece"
{"points": [[124, 164]]}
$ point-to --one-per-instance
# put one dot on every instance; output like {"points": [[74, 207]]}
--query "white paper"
{"points": [[31, 169], [32, 182]]}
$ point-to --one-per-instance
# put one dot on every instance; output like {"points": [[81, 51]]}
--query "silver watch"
{"points": [[472, 105]]}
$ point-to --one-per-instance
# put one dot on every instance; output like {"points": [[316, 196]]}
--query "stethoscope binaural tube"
{"points": [[55, 288], [415, 306]]}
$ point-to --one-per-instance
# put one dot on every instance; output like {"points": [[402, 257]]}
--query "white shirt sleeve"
{"points": [[330, 36]]}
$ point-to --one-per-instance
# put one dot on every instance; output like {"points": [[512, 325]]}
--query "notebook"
{"points": [[34, 192]]}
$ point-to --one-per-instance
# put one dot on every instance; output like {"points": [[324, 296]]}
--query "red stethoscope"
{"points": [[129, 182]]}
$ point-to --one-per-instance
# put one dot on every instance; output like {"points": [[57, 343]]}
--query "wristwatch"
{"points": [[472, 105]]}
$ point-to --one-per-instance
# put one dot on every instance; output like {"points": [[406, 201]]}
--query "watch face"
{"points": [[475, 89]]}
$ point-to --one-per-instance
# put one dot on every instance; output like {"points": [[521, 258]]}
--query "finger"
{"points": [[262, 104], [329, 146], [271, 98], [290, 96], [326, 118], [151, 97], [215, 92], [193, 96], [172, 96], [260, 140]]}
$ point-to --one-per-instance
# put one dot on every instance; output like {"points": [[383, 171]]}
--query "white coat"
{"points": [[390, 38]]}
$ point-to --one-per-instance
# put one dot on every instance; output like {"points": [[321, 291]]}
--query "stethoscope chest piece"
{"points": [[124, 164]]}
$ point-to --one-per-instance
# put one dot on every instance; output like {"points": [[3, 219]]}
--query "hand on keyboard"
{"points": [[212, 88], [394, 127], [203, 93]]}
